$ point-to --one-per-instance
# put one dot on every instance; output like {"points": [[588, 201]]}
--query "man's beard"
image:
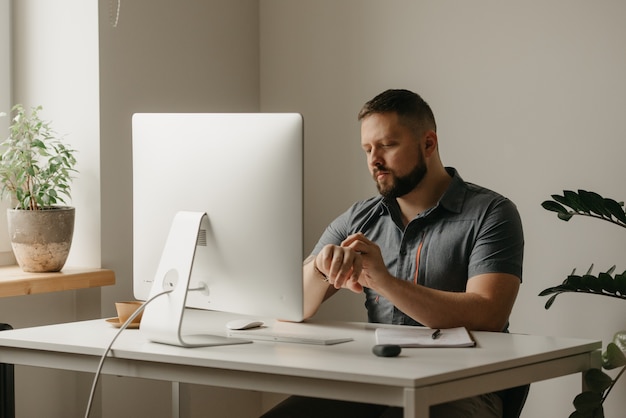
{"points": [[404, 184]]}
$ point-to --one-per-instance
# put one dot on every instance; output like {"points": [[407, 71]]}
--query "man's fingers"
{"points": [[359, 236], [341, 265]]}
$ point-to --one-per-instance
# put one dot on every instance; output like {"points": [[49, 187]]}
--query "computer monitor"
{"points": [[231, 184]]}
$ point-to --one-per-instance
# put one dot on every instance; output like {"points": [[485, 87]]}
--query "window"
{"points": [[6, 255]]}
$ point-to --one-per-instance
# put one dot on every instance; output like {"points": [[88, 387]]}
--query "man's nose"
{"points": [[375, 158]]}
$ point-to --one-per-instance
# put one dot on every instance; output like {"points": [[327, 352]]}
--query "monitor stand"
{"points": [[163, 317]]}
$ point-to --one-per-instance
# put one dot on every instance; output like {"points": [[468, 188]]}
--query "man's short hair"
{"points": [[410, 108]]}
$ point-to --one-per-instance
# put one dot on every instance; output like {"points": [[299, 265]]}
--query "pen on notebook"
{"points": [[436, 334]]}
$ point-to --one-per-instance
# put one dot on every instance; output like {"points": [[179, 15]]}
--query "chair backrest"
{"points": [[513, 401], [7, 385]]}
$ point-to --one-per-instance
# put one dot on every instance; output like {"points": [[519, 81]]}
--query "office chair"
{"points": [[7, 385], [513, 401]]}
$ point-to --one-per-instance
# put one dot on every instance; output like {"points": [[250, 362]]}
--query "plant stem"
{"points": [[623, 297], [621, 372], [603, 218]]}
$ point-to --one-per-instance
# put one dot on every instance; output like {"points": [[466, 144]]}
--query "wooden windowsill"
{"points": [[15, 282]]}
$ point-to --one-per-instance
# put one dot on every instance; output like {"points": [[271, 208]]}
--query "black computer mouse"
{"points": [[386, 350]]}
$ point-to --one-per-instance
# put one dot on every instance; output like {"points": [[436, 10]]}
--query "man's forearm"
{"points": [[486, 305], [316, 289]]}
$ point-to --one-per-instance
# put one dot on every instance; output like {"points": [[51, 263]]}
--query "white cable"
{"points": [[108, 349]]}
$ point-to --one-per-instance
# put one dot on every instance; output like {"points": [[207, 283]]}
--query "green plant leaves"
{"points": [[597, 380], [35, 167], [553, 206], [589, 404], [613, 357], [619, 339], [603, 284], [615, 209], [586, 203]]}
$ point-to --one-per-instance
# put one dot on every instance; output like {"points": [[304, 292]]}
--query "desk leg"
{"points": [[175, 400], [7, 386], [595, 362], [416, 403]]}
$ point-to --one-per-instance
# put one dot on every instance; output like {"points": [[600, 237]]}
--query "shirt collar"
{"points": [[454, 196]]}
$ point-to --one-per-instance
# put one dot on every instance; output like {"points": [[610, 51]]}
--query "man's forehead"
{"points": [[379, 126]]}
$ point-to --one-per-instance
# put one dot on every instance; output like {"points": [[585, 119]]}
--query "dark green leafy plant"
{"points": [[589, 404], [586, 203], [603, 284], [35, 166]]}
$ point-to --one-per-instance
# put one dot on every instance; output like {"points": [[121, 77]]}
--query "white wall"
{"points": [[6, 254], [529, 99], [5, 65]]}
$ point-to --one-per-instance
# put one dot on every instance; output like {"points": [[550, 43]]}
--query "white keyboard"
{"points": [[267, 334]]}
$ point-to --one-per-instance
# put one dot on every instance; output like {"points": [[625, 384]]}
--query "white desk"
{"points": [[416, 379]]}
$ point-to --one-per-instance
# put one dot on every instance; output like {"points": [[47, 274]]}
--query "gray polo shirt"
{"points": [[471, 231]]}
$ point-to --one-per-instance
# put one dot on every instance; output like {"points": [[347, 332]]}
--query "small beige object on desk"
{"points": [[124, 311]]}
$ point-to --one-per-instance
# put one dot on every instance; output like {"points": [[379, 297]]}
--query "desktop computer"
{"points": [[217, 217]]}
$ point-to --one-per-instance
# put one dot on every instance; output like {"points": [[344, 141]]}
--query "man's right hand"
{"points": [[341, 265]]}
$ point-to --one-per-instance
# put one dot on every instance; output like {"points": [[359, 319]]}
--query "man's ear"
{"points": [[430, 142]]}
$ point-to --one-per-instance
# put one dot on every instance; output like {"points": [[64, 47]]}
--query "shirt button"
{"points": [[403, 252]]}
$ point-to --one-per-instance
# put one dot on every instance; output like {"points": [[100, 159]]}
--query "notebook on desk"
{"points": [[408, 336]]}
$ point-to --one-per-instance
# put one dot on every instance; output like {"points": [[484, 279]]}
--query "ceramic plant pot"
{"points": [[41, 239]]}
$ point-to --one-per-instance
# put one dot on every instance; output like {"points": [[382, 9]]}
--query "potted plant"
{"points": [[35, 172], [589, 404]]}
